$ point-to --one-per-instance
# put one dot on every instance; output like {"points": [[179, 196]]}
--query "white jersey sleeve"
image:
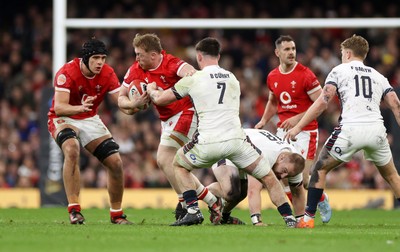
{"points": [[360, 90]]}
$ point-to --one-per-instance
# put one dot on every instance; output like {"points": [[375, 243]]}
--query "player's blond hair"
{"points": [[149, 42], [357, 44]]}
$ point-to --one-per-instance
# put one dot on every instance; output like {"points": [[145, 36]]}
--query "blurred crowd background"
{"points": [[26, 70]]}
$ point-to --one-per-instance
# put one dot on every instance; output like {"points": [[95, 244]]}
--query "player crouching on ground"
{"points": [[287, 165]]}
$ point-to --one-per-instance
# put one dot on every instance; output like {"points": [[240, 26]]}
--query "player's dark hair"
{"points": [[209, 46], [283, 38], [92, 47]]}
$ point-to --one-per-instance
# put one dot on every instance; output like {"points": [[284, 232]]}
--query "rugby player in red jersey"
{"points": [[293, 89], [80, 86]]}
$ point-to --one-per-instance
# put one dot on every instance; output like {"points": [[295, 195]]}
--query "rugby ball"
{"points": [[136, 89]]}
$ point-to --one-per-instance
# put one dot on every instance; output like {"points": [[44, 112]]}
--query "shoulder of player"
{"points": [[169, 58], [274, 72], [71, 65], [134, 72], [340, 68], [302, 68], [70, 69], [107, 72], [107, 69]]}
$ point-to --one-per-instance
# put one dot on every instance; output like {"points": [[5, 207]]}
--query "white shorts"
{"points": [[346, 140], [306, 143], [89, 129], [178, 129], [241, 152]]}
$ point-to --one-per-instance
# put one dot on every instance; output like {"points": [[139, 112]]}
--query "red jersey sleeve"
{"points": [[311, 81]]}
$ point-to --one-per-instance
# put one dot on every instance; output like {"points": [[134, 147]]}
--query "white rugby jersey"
{"points": [[271, 146], [215, 93], [360, 90]]}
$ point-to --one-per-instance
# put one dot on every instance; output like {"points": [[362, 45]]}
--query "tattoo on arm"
{"points": [[327, 94], [326, 98]]}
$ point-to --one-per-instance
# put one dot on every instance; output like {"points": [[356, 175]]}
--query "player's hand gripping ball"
{"points": [[136, 89]]}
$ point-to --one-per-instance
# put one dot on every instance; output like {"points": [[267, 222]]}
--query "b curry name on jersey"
{"points": [[219, 75]]}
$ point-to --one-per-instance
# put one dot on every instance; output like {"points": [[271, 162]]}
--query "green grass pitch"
{"points": [[48, 229]]}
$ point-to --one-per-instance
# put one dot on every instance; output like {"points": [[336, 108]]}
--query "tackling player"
{"points": [[215, 93]]}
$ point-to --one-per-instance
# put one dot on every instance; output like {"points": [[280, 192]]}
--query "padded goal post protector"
{"points": [[51, 184]]}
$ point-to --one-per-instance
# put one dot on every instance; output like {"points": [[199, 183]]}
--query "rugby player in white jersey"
{"points": [[360, 90], [215, 93]]}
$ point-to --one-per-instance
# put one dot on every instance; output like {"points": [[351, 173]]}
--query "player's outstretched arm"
{"points": [[160, 97], [392, 101], [270, 110], [315, 110]]}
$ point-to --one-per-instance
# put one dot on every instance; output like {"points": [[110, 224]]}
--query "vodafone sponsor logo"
{"points": [[289, 106], [286, 99]]}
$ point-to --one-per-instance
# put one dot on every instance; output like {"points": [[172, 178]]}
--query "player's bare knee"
{"points": [[71, 151], [106, 149], [160, 161], [116, 172], [114, 164]]}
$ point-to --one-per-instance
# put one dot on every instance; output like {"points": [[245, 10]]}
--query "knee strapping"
{"points": [[106, 149], [64, 135], [262, 169]]}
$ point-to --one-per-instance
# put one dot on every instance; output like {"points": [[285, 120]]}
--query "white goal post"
{"points": [[61, 24]]}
